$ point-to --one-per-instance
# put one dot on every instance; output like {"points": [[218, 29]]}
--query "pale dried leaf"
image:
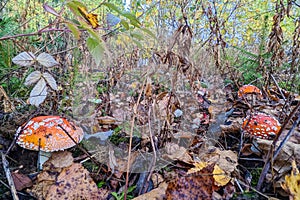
{"points": [[46, 60], [51, 10], [24, 59], [32, 78], [38, 93], [50, 80]]}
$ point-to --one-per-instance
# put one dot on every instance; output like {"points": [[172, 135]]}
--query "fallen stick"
{"points": [[9, 178]]}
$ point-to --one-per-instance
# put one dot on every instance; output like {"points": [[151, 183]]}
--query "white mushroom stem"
{"points": [[42, 158]]}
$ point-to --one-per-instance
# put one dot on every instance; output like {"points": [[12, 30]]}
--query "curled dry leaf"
{"points": [[226, 160], [176, 152]]}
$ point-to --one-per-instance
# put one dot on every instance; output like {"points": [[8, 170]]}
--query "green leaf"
{"points": [[73, 5], [133, 20], [96, 48], [137, 35], [113, 7], [124, 24], [137, 43], [74, 30], [148, 32]]}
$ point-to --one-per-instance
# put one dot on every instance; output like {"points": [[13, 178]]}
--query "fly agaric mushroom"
{"points": [[261, 125], [249, 89], [48, 134]]}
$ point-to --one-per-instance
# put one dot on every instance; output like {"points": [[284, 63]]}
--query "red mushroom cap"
{"points": [[248, 89], [261, 125], [48, 133]]}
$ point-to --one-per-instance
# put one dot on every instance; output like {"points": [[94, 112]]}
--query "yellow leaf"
{"points": [[91, 18], [220, 176], [292, 183], [198, 167]]}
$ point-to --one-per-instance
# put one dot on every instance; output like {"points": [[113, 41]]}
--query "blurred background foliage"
{"points": [[236, 33]]}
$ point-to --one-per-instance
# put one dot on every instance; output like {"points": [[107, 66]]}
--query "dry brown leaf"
{"points": [[57, 181], [21, 181], [199, 185], [176, 152], [155, 194], [283, 161], [226, 160], [220, 177], [59, 159], [74, 182]]}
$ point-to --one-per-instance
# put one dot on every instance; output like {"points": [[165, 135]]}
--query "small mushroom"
{"points": [[48, 134], [261, 125], [249, 89]]}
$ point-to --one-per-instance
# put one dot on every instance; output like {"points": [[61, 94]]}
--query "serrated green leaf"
{"points": [[74, 30], [33, 77], [124, 24], [96, 48], [24, 59]]}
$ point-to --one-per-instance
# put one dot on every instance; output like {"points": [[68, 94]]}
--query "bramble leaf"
{"points": [[24, 59], [38, 93], [33, 77], [50, 80], [46, 60]]}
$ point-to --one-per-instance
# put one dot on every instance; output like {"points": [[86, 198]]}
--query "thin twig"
{"points": [[9, 177], [35, 33]]}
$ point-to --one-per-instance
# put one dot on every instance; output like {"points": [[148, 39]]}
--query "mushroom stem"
{"points": [[42, 158]]}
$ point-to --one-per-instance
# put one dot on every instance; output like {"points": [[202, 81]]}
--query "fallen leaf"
{"points": [[292, 183], [176, 152], [155, 194], [63, 179], [199, 185], [21, 181], [220, 176]]}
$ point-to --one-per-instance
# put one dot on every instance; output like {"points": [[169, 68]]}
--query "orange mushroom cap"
{"points": [[248, 89], [261, 125], [48, 133]]}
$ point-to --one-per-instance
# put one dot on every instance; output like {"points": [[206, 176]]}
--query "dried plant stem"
{"points": [[9, 178], [276, 152], [130, 140]]}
